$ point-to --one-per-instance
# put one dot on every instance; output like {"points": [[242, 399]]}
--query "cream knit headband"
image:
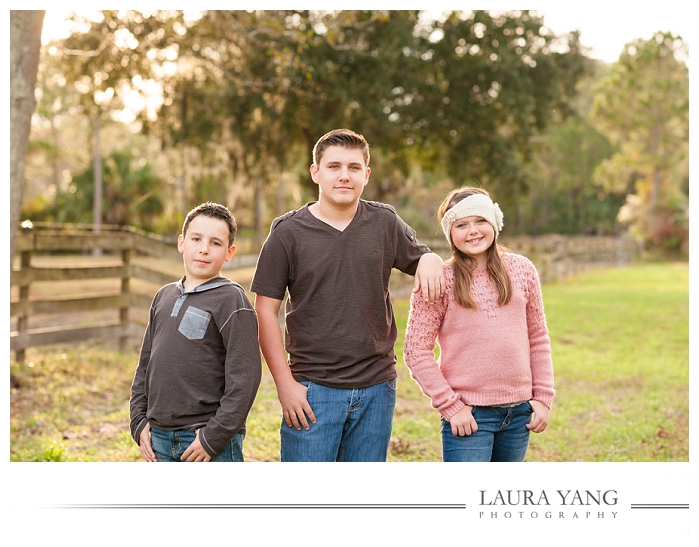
{"points": [[476, 205]]}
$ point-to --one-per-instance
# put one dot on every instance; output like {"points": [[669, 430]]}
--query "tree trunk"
{"points": [[98, 182], [25, 45]]}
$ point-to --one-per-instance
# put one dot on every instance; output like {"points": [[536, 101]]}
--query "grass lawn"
{"points": [[620, 341]]}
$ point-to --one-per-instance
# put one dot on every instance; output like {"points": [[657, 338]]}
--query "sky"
{"points": [[604, 26], [607, 26]]}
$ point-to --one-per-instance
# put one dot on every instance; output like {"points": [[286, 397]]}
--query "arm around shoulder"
{"points": [[429, 277]]}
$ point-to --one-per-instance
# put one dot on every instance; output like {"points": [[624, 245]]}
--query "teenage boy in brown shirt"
{"points": [[335, 257]]}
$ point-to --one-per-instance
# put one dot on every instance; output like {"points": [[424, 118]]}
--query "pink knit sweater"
{"points": [[490, 356]]}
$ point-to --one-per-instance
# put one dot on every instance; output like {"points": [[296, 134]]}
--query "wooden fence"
{"points": [[129, 256], [125, 254]]}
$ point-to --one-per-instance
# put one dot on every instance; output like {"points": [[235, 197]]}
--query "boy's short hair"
{"points": [[341, 137], [213, 210]]}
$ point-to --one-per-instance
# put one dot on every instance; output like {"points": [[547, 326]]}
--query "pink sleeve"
{"points": [[424, 322], [539, 341]]}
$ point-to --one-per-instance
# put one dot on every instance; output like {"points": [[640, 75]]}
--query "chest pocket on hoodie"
{"points": [[194, 323]]}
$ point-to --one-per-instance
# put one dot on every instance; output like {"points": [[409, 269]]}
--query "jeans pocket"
{"points": [[194, 323]]}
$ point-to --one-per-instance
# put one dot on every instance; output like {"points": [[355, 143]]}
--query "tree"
{"points": [[133, 193], [25, 45], [643, 106], [491, 84]]}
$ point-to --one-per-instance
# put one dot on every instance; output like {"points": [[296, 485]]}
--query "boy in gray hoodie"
{"points": [[200, 365]]}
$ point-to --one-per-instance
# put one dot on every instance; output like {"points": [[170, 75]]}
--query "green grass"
{"points": [[620, 341], [71, 404]]}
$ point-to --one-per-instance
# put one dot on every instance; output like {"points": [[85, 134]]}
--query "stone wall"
{"points": [[556, 257]]}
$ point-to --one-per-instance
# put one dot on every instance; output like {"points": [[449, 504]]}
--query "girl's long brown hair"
{"points": [[463, 265]]}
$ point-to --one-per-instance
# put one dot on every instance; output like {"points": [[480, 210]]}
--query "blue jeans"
{"points": [[170, 445], [352, 425], [502, 436]]}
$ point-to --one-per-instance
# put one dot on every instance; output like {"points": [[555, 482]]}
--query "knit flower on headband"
{"points": [[478, 205]]}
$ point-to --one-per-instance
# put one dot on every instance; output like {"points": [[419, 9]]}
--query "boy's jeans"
{"points": [[170, 445], [352, 425], [502, 436]]}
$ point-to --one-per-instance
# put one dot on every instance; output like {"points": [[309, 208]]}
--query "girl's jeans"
{"points": [[502, 436]]}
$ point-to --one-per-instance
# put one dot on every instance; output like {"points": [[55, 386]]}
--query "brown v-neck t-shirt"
{"points": [[340, 329]]}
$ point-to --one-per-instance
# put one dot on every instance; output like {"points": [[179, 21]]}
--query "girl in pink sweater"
{"points": [[493, 381]]}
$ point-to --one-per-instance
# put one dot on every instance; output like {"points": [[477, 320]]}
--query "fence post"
{"points": [[23, 317], [124, 311]]}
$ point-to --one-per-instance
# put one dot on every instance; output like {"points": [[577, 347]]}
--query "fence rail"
{"points": [[122, 251]]}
